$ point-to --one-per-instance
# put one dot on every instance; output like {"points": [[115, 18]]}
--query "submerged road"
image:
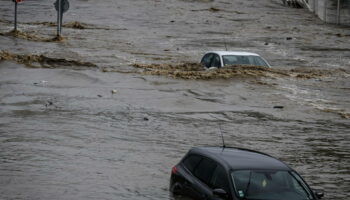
{"points": [[65, 135]]}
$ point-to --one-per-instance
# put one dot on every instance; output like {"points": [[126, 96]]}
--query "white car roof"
{"points": [[236, 53]]}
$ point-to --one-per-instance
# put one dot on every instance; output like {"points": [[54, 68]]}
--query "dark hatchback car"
{"points": [[237, 174]]}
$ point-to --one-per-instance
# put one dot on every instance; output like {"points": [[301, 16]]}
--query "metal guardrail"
{"points": [[331, 11]]}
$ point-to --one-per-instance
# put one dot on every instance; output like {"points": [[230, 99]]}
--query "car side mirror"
{"points": [[220, 193], [319, 193]]}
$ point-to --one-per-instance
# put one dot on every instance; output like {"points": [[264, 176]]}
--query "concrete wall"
{"points": [[327, 10]]}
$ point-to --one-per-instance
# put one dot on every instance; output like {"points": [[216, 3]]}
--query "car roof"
{"points": [[239, 159], [236, 53]]}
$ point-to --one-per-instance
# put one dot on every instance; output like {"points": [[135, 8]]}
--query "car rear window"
{"points": [[191, 162]]}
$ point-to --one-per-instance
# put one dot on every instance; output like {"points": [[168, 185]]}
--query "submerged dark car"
{"points": [[237, 174]]}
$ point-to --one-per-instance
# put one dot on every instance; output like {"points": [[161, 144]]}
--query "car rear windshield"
{"points": [[270, 185], [244, 60]]}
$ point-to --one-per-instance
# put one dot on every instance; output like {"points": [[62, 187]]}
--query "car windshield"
{"points": [[243, 60], [270, 185]]}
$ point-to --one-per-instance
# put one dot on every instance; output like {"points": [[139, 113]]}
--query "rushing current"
{"points": [[79, 121]]}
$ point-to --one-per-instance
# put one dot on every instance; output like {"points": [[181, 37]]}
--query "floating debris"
{"points": [[342, 113], [58, 38], [211, 9], [43, 82], [309, 73], [41, 61], [197, 71], [31, 37], [49, 103], [114, 91], [22, 35], [74, 24]]}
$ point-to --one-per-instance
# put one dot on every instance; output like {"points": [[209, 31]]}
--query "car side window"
{"points": [[215, 61], [220, 179], [206, 60], [191, 162], [259, 62], [204, 170]]}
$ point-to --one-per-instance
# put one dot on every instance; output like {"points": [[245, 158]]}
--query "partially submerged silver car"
{"points": [[219, 59]]}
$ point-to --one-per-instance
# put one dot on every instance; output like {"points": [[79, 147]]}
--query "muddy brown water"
{"points": [[65, 135]]}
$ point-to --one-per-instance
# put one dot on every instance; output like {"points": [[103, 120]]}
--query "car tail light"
{"points": [[174, 170]]}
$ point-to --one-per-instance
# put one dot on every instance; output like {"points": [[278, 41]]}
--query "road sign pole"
{"points": [[61, 21], [61, 7], [58, 22], [59, 18], [338, 12], [15, 15], [60, 11]]}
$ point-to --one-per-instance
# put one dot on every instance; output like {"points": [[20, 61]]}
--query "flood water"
{"points": [[65, 135]]}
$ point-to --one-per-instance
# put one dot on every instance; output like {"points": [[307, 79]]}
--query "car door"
{"points": [[203, 174], [190, 163], [215, 61], [220, 180]]}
